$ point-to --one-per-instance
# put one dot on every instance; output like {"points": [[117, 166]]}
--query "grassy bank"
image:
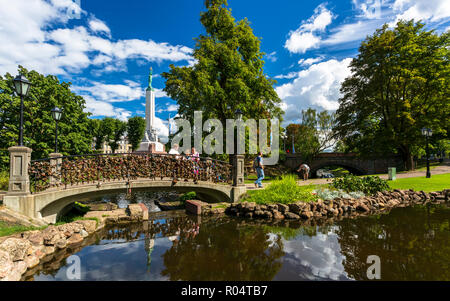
{"points": [[283, 191], [10, 229], [435, 183]]}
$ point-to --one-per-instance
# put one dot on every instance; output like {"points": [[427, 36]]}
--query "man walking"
{"points": [[259, 167]]}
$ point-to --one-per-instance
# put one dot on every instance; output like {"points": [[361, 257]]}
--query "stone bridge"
{"points": [[350, 161], [43, 189]]}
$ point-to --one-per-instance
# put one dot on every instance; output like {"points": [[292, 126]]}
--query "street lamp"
{"points": [[238, 114], [284, 136], [22, 86], [56, 114], [427, 133]]}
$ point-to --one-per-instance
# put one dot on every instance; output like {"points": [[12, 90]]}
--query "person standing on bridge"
{"points": [[259, 167], [304, 169]]}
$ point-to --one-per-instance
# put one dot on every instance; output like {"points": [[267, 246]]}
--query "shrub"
{"points": [[188, 196], [368, 185], [4, 180], [331, 194], [283, 191]]}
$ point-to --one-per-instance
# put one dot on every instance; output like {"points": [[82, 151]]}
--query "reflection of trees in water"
{"points": [[223, 251], [412, 243]]}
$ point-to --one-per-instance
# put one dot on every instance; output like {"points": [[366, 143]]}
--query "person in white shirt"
{"points": [[304, 169], [174, 150]]}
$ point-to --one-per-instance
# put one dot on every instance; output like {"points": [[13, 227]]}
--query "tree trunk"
{"points": [[408, 158]]}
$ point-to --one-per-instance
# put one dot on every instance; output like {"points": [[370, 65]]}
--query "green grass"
{"points": [[10, 229], [423, 167], [283, 191], [435, 183]]}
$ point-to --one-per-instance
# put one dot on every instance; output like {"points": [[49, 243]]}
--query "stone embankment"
{"points": [[381, 201], [23, 252]]}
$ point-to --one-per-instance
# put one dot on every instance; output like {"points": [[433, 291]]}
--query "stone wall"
{"points": [[350, 161], [23, 252], [381, 202]]}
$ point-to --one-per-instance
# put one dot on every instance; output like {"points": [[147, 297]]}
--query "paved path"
{"points": [[441, 169]]}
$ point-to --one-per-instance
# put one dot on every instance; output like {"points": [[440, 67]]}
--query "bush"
{"points": [[283, 191], [188, 196], [368, 185], [4, 180], [331, 194]]}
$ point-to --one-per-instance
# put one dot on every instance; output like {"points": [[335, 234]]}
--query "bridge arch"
{"points": [[353, 168], [51, 204]]}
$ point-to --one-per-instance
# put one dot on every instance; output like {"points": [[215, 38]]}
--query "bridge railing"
{"points": [[66, 171]]}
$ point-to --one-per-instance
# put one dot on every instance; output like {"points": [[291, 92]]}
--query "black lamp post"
{"points": [[22, 86], [427, 133], [56, 114], [283, 137]]}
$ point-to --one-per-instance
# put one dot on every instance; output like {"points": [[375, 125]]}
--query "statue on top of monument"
{"points": [[150, 80]]}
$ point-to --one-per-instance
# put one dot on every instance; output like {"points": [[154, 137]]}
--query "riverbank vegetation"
{"points": [[11, 228], [284, 190], [4, 180]]}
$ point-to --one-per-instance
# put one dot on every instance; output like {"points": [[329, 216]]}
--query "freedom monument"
{"points": [[150, 141]]}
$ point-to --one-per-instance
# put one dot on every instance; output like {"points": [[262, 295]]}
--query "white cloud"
{"points": [[310, 61], [304, 38], [97, 25], [432, 10], [352, 32], [100, 108], [369, 15], [35, 33], [112, 92], [272, 56], [168, 108], [316, 87], [287, 76]]}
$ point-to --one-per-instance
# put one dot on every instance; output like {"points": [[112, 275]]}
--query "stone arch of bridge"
{"points": [[353, 168], [50, 205]]}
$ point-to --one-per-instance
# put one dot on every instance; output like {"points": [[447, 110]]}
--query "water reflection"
{"points": [[413, 244]]}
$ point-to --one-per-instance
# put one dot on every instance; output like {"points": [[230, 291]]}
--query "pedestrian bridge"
{"points": [[57, 182]]}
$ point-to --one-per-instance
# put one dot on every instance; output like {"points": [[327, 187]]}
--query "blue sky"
{"points": [[105, 48]]}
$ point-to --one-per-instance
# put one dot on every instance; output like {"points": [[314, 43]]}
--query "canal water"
{"points": [[412, 244]]}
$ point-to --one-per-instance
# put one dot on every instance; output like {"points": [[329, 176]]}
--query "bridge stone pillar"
{"points": [[239, 187], [19, 197], [19, 180], [238, 170], [55, 163]]}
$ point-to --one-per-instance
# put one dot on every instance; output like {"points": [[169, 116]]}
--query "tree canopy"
{"points": [[136, 131], [228, 73], [400, 83], [313, 135], [45, 93]]}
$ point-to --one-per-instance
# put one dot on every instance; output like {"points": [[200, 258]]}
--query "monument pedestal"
{"points": [[152, 147]]}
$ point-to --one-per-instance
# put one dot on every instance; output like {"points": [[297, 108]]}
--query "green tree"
{"points": [[228, 73], [400, 83], [45, 93], [313, 135], [113, 130], [96, 130], [136, 131]]}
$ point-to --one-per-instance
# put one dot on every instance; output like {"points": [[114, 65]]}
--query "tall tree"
{"points": [[113, 130], [400, 83], [228, 73], [96, 129], [45, 93], [136, 131], [313, 135]]}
